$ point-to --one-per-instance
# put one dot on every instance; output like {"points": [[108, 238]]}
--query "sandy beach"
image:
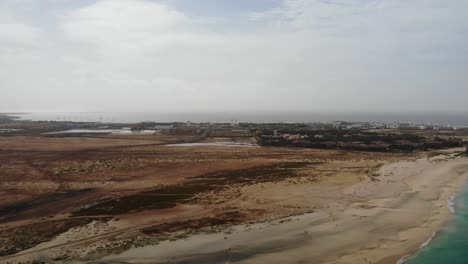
{"points": [[240, 132], [116, 201], [374, 221]]}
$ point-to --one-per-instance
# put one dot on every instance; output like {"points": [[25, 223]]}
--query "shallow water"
{"points": [[8, 130], [215, 144], [110, 131], [451, 244]]}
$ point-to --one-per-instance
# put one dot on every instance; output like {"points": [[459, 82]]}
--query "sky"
{"points": [[226, 55]]}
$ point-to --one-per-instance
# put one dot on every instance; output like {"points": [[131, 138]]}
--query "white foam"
{"points": [[425, 244], [451, 204], [402, 260]]}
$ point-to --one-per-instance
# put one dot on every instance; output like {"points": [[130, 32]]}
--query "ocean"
{"points": [[454, 119], [450, 245]]}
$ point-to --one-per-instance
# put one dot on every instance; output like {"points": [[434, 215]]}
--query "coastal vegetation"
{"points": [[354, 140], [97, 191]]}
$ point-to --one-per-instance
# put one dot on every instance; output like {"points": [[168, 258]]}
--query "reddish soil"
{"points": [[143, 183]]}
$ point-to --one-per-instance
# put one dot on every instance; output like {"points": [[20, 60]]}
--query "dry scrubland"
{"points": [[84, 199]]}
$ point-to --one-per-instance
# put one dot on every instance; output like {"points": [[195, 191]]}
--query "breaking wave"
{"points": [[451, 204], [425, 244]]}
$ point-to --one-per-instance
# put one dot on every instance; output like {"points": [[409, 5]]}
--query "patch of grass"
{"points": [[21, 238], [170, 196], [194, 224]]}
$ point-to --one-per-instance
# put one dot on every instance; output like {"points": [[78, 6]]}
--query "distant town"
{"points": [[367, 136]]}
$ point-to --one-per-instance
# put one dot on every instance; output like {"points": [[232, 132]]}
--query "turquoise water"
{"points": [[451, 243]]}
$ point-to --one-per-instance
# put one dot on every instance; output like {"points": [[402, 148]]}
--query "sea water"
{"points": [[450, 245], [456, 119]]}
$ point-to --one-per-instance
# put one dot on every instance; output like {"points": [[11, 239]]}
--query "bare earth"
{"points": [[370, 222], [135, 200]]}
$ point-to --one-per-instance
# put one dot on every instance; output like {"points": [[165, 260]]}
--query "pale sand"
{"points": [[371, 222]]}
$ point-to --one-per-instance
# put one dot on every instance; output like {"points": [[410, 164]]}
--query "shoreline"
{"points": [[376, 222], [438, 227], [441, 216], [444, 224]]}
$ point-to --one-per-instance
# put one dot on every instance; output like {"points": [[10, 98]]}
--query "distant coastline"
{"points": [[455, 119]]}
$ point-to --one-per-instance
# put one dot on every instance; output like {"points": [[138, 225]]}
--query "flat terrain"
{"points": [[90, 199]]}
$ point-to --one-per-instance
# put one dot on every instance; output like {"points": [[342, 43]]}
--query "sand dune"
{"points": [[375, 221]]}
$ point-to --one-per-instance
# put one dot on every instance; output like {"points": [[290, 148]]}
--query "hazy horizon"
{"points": [[233, 131], [455, 119], [263, 55]]}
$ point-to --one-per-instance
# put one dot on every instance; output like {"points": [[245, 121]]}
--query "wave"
{"points": [[402, 260], [425, 244], [451, 204]]}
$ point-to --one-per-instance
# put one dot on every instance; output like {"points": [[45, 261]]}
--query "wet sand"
{"points": [[374, 221]]}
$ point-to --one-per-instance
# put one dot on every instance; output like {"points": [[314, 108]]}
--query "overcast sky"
{"points": [[230, 55]]}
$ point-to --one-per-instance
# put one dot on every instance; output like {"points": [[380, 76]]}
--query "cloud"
{"points": [[18, 34], [135, 55], [121, 20]]}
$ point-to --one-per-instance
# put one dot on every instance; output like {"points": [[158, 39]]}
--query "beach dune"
{"points": [[374, 221]]}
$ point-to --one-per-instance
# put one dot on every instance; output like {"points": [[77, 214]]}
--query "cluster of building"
{"points": [[392, 125]]}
